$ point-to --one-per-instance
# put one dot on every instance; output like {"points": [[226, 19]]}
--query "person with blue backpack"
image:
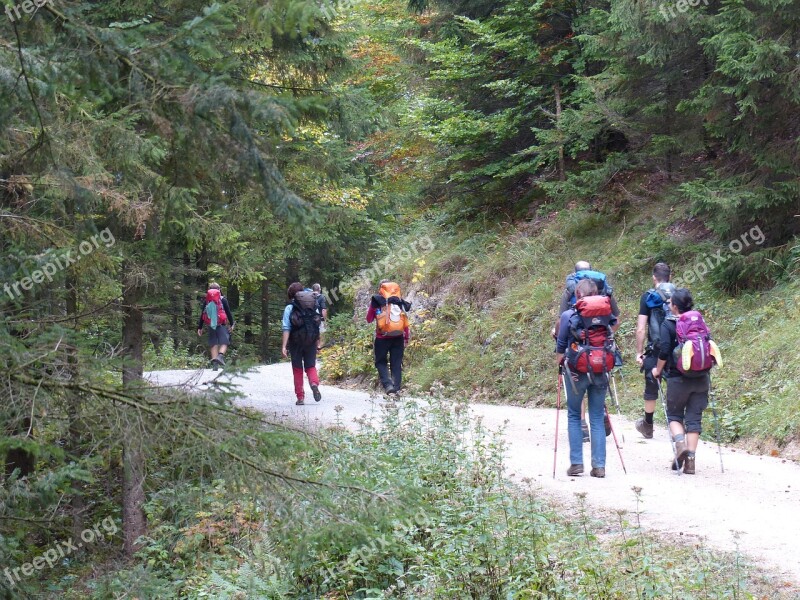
{"points": [[653, 310], [583, 271], [685, 358]]}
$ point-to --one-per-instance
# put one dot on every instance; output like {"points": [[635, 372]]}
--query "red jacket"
{"points": [[378, 334]]}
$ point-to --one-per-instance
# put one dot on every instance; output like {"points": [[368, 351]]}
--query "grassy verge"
{"points": [[440, 521]]}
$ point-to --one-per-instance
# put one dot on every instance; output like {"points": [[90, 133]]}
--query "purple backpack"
{"points": [[692, 329]]}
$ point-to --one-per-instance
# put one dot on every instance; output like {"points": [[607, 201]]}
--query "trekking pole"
{"points": [[716, 423], [613, 379], [669, 432], [558, 410], [616, 443]]}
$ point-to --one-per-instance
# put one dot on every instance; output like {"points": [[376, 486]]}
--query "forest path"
{"points": [[755, 503]]}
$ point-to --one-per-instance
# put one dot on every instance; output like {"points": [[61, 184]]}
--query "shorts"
{"points": [[220, 336], [687, 398], [650, 385]]}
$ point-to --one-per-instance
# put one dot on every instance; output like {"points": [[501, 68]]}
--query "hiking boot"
{"points": [[221, 359], [688, 465], [585, 431], [574, 470], [607, 424], [214, 365], [645, 428], [681, 451], [598, 472], [300, 402], [315, 391]]}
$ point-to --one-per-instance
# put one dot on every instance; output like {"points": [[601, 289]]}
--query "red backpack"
{"points": [[214, 313], [592, 351]]}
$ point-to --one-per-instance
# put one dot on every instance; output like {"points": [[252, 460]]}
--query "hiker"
{"points": [[583, 270], [216, 313], [388, 309], [653, 309], [585, 352], [689, 382], [301, 323], [322, 309]]}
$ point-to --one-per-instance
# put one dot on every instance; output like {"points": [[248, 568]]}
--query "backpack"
{"points": [[593, 350], [391, 315], [304, 319], [599, 279], [695, 353], [655, 299], [214, 314]]}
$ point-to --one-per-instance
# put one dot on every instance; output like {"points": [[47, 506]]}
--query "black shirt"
{"points": [[669, 341]]}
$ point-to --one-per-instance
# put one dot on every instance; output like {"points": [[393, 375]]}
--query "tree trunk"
{"points": [[248, 318], [188, 294], [292, 270], [561, 170], [134, 523], [264, 346], [74, 398]]}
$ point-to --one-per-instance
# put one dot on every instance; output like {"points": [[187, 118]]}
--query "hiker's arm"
{"points": [[615, 312], [370, 314], [284, 343], [641, 335], [659, 368], [200, 320], [406, 336], [563, 334]]}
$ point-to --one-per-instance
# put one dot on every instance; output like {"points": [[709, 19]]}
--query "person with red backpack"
{"points": [[389, 312], [585, 350], [686, 355], [301, 324], [216, 314]]}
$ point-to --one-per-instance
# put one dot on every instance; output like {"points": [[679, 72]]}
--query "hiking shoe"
{"points": [[598, 472], [688, 465], [214, 364], [645, 428], [607, 424], [585, 430], [315, 391], [574, 470], [681, 451], [300, 402], [221, 359]]}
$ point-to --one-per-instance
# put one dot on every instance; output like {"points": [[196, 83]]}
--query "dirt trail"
{"points": [[756, 499]]}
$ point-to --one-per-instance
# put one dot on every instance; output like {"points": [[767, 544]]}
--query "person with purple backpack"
{"points": [[686, 355]]}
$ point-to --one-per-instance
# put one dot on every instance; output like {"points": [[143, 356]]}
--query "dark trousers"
{"points": [[393, 347]]}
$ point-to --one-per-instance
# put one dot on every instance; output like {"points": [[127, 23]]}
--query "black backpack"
{"points": [[655, 299], [304, 319]]}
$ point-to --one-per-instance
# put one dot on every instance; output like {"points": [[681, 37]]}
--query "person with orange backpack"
{"points": [[216, 314], [301, 325], [585, 351], [389, 312]]}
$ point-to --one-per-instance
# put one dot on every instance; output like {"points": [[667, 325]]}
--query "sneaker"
{"points": [[221, 359], [688, 465], [645, 428], [585, 430], [390, 390], [574, 470], [682, 452], [598, 472], [299, 402], [607, 424], [315, 391]]}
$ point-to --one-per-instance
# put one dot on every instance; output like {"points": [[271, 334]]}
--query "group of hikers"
{"points": [[673, 343]]}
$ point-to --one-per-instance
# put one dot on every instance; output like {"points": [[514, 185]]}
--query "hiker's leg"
{"points": [[296, 354], [310, 364], [677, 397], [596, 399], [650, 388], [214, 350], [575, 393], [697, 402], [396, 359], [381, 362]]}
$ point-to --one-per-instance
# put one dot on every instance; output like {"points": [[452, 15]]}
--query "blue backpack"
{"points": [[655, 299], [603, 289]]}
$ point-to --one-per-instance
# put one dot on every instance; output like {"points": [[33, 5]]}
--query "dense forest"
{"points": [[147, 149]]}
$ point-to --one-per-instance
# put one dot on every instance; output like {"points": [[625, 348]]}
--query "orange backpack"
{"points": [[392, 318]]}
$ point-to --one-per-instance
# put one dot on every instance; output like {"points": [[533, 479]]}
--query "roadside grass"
{"points": [[495, 290], [445, 523]]}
